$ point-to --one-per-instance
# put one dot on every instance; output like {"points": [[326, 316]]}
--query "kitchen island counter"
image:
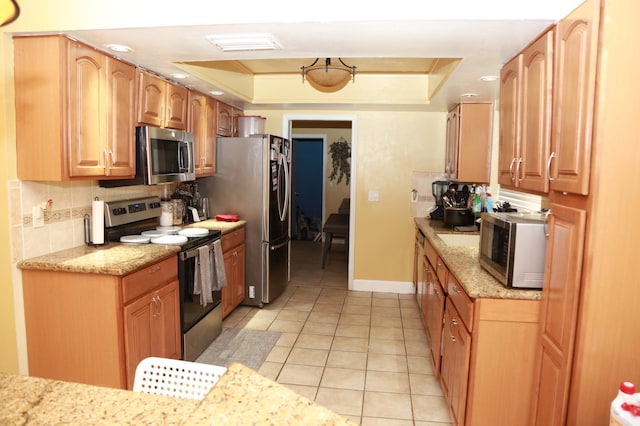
{"points": [[463, 264], [242, 396]]}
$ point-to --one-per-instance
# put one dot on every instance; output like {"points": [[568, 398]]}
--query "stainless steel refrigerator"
{"points": [[252, 179]]}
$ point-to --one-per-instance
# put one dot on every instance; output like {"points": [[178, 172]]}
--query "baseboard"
{"points": [[400, 287]]}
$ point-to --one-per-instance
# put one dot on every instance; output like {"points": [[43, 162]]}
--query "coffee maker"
{"points": [[438, 189]]}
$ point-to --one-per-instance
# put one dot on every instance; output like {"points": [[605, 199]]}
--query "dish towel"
{"points": [[218, 261], [203, 276]]}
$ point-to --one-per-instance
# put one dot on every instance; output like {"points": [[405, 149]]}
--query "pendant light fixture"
{"points": [[328, 77]]}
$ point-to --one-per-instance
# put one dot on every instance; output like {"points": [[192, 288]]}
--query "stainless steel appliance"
{"points": [[162, 156], [127, 219], [252, 180], [513, 248]]}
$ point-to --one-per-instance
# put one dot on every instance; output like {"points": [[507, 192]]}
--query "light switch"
{"points": [[374, 195]]}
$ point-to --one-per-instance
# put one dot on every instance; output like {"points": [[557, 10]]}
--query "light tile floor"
{"points": [[364, 355]]}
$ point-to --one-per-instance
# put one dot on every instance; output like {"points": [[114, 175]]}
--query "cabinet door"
{"points": [[151, 99], [87, 111], [227, 292], [195, 126], [453, 137], [208, 148], [559, 313], [239, 275], [537, 86], [121, 118], [509, 121], [225, 120], [574, 95], [176, 104], [152, 327], [434, 311]]}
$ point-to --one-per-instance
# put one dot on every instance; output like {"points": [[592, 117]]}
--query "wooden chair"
{"points": [[336, 224]]}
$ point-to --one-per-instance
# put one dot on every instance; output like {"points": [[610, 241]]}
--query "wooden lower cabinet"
{"points": [[456, 349], [94, 329], [233, 249], [433, 311]]}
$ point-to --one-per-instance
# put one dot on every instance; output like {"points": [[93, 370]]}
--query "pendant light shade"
{"points": [[328, 77]]}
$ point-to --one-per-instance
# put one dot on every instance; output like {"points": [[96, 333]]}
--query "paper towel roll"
{"points": [[97, 222]]}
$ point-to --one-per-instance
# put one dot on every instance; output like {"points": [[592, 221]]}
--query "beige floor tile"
{"points": [[377, 421], [343, 378], [387, 405], [415, 335], [386, 302], [413, 324], [343, 401], [303, 306], [353, 319], [258, 324], [384, 296], [385, 362], [416, 348], [350, 344], [326, 308], [292, 315], [385, 381], [350, 308], [324, 317], [390, 347], [420, 364], [386, 333], [321, 328], [357, 300], [425, 384], [383, 311], [308, 392], [410, 312], [286, 326], [270, 369], [278, 354], [265, 315], [306, 375], [303, 356], [386, 321], [430, 408], [354, 419], [314, 341], [330, 299], [352, 360], [361, 331], [421, 423]]}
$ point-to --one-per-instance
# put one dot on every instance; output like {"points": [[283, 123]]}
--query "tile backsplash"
{"points": [[63, 222]]}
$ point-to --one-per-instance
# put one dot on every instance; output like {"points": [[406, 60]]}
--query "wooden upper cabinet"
{"points": [[468, 152], [83, 103], [526, 86], [225, 119], [573, 99], [161, 103], [202, 123]]}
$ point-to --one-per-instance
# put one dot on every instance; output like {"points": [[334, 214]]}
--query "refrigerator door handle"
{"points": [[285, 204], [279, 246]]}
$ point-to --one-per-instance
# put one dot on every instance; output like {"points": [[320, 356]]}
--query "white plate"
{"points": [[154, 234], [170, 239], [168, 229], [194, 232], [134, 239]]}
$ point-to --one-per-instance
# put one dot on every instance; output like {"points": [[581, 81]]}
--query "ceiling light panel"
{"points": [[244, 42]]}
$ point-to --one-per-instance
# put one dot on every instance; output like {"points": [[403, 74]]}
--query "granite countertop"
{"points": [[463, 263], [242, 396]]}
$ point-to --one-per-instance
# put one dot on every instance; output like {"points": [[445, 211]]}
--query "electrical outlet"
{"points": [[38, 217], [252, 292]]}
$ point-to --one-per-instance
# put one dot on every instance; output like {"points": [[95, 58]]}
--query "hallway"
{"points": [[362, 354]]}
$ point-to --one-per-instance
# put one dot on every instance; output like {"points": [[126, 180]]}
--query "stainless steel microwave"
{"points": [[162, 156], [513, 248]]}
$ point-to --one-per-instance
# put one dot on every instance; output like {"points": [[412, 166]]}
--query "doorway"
{"points": [[307, 188]]}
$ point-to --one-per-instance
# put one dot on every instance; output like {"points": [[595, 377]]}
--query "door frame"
{"points": [[287, 130]]}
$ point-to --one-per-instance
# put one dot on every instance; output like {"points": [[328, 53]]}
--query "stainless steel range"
{"points": [[136, 221]]}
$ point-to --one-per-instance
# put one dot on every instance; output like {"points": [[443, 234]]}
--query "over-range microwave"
{"points": [[162, 156], [513, 248]]}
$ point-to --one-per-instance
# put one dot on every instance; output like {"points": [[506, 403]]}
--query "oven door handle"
{"points": [[184, 255]]}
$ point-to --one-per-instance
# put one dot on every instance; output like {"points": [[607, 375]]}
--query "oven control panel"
{"points": [[123, 212]]}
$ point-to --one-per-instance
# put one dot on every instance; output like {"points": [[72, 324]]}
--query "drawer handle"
{"points": [[154, 270], [454, 288]]}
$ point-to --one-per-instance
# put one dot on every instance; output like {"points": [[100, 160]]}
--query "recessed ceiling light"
{"points": [[216, 92], [236, 42], [469, 95], [119, 48], [179, 76], [489, 78]]}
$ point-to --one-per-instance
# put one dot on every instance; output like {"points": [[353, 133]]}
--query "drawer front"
{"points": [[441, 270], [431, 253], [461, 301], [145, 280], [232, 239]]}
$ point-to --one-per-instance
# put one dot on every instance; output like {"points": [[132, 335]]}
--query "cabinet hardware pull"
{"points": [[106, 159], [551, 157], [154, 270], [518, 172], [547, 233], [453, 338], [511, 175], [113, 158]]}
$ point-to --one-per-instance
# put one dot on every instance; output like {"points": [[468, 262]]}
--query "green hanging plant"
{"points": [[340, 152]]}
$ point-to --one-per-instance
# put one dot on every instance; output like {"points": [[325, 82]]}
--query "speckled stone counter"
{"points": [[111, 259], [463, 263], [225, 227], [242, 396]]}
